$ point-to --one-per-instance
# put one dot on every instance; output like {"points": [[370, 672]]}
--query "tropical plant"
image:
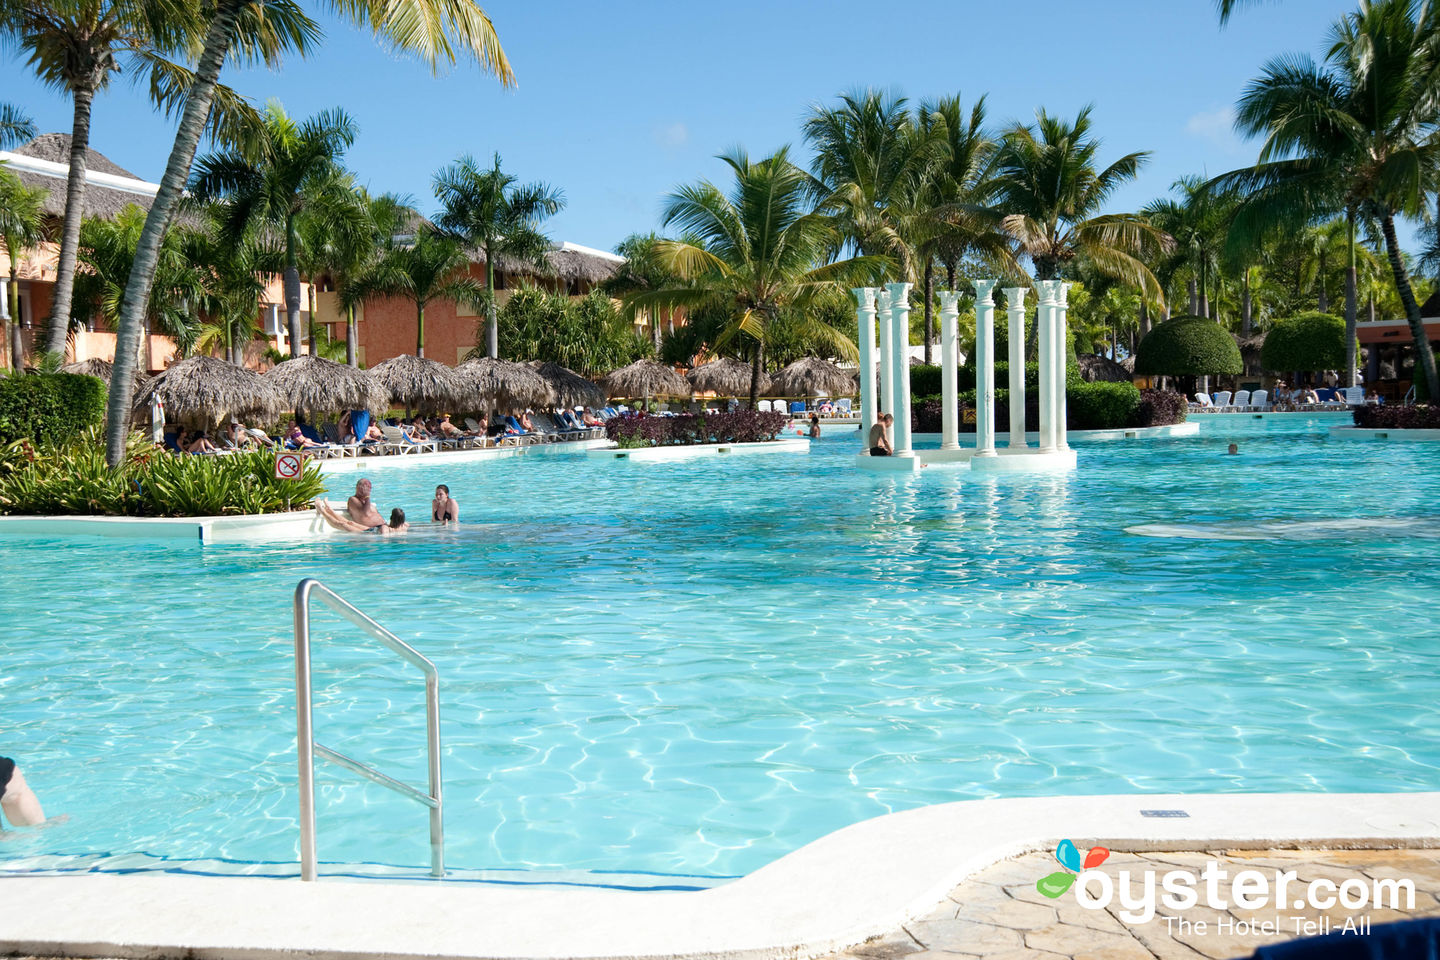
{"points": [[336, 234], [1354, 136], [1197, 223], [277, 183], [386, 217], [77, 46], [1188, 347], [1307, 342], [436, 30], [233, 279], [49, 407], [642, 270], [433, 266], [22, 228], [492, 212], [1051, 193], [759, 250], [15, 125]]}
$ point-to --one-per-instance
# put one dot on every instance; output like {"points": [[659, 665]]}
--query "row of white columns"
{"points": [[891, 306]]}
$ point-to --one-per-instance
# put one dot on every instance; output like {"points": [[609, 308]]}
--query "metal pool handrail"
{"points": [[305, 729]]}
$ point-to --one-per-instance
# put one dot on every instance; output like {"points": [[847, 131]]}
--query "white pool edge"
{"points": [[852, 885]]}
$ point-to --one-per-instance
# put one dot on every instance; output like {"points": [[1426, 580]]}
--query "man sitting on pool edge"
{"points": [[359, 508], [397, 522]]}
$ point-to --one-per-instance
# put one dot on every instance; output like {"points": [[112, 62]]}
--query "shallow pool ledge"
{"points": [[847, 887]]}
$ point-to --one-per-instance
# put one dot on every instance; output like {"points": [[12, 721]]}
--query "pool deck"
{"points": [[857, 885]]}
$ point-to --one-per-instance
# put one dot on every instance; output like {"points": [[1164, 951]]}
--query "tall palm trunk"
{"points": [[70, 233], [1246, 316], [1194, 297], [17, 345], [1350, 359], [419, 329], [1322, 301], [950, 275], [655, 328], [352, 338], [1424, 356], [492, 323], [929, 306], [1144, 318], [757, 364], [136, 301], [292, 287], [314, 345]]}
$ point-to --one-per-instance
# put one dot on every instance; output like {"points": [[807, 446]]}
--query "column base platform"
{"points": [[900, 463], [1028, 460]]}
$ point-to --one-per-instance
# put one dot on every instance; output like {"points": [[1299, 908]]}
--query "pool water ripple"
{"points": [[696, 667]]}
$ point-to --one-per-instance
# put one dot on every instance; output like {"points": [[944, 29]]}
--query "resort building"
{"points": [[385, 325]]}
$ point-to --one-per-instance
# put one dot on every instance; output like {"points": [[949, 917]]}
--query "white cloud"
{"points": [[1216, 127], [672, 135]]}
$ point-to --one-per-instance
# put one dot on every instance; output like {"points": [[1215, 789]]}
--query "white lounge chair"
{"points": [[1260, 400], [1242, 400], [763, 406], [397, 441], [1203, 401], [842, 407], [1222, 399], [1355, 396]]}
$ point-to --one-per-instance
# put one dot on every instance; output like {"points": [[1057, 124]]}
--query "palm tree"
{"points": [[1354, 136], [233, 276], [433, 267], [15, 126], [276, 183], [489, 211], [22, 227], [77, 46], [643, 269], [760, 250], [335, 233], [1197, 224], [436, 30], [1052, 194], [355, 257]]}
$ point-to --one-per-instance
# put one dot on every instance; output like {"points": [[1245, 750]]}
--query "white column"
{"points": [[865, 317], [900, 360], [984, 369], [1015, 307], [886, 400], [1062, 356], [949, 364], [1045, 333]]}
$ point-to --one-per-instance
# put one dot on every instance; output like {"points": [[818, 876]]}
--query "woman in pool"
{"points": [[397, 522], [443, 509]]}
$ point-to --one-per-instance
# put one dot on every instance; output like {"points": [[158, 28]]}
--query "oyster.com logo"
{"points": [[1055, 885]]}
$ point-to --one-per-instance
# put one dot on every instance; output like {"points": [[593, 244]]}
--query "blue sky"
{"points": [[620, 102]]}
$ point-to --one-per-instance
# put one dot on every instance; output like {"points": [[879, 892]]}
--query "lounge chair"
{"points": [[1203, 402], [843, 407], [398, 441], [556, 425], [514, 429], [1242, 400], [1222, 400], [1355, 396], [797, 408], [1260, 400], [764, 406]]}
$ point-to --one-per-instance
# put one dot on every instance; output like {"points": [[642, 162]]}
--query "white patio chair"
{"points": [[1222, 399], [1242, 400], [1260, 400], [763, 406], [1203, 401], [842, 407], [1355, 396]]}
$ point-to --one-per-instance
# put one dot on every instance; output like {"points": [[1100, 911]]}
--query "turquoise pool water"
{"points": [[697, 667]]}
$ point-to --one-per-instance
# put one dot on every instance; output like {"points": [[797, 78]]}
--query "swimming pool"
{"points": [[695, 667]]}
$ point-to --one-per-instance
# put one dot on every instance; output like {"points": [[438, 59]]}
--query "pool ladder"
{"points": [[305, 729]]}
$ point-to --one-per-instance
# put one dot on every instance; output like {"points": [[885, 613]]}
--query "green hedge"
{"points": [[1188, 347], [1102, 406], [1307, 341], [48, 407]]}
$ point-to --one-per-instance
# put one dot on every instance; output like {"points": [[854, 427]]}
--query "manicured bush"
{"points": [[1160, 408], [72, 478], [1101, 406], [1307, 341], [740, 426], [1422, 416], [1188, 347], [924, 381], [49, 407]]}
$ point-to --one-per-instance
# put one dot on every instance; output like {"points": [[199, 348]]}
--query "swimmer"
{"points": [[397, 522], [444, 509], [18, 802], [359, 508], [1234, 449]]}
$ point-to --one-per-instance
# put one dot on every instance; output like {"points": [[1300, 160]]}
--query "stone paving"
{"points": [[1000, 915]]}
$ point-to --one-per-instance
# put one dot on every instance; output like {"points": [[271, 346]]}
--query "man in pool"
{"points": [[443, 509], [880, 436], [397, 522], [359, 508], [18, 802]]}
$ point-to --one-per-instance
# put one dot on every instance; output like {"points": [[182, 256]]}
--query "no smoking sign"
{"points": [[287, 466]]}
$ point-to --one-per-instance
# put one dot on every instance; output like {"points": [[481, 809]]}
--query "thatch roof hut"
{"points": [[646, 378], [206, 390], [420, 383], [101, 199], [104, 369], [503, 383], [1097, 369], [317, 385], [726, 377], [813, 377], [571, 389], [572, 262]]}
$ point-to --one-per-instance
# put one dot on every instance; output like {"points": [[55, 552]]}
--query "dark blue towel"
{"points": [[1407, 940]]}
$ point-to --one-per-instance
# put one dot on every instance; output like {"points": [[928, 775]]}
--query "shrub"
{"points": [[1188, 347], [740, 426], [72, 478], [1101, 406], [1399, 417], [924, 381], [1308, 341], [927, 384], [1160, 408], [49, 407]]}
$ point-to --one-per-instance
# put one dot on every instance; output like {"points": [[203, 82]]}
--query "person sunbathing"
{"points": [[295, 438], [418, 430], [200, 443], [449, 430], [397, 522], [590, 420]]}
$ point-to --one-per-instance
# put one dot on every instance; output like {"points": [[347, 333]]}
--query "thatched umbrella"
{"points": [[316, 385], [95, 367], [1097, 369], [420, 383], [204, 389], [503, 383], [1128, 364], [571, 389], [646, 378], [727, 377], [813, 377]]}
